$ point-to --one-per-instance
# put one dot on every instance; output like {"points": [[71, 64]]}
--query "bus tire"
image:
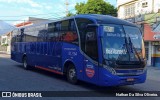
{"points": [[71, 74], [25, 64]]}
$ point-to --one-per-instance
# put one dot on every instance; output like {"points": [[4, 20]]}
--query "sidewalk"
{"points": [[4, 54], [153, 73], [153, 68]]}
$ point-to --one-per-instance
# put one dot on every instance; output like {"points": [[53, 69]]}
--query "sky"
{"points": [[13, 11]]}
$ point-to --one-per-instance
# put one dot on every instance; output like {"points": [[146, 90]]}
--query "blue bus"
{"points": [[98, 49]]}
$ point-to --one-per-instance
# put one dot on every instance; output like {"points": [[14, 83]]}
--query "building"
{"points": [[146, 14], [4, 40], [132, 8], [29, 21], [5, 43]]}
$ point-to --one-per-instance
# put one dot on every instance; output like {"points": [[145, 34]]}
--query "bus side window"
{"points": [[41, 32], [64, 25], [69, 33], [22, 35], [91, 48], [82, 25], [30, 34], [72, 28], [51, 32], [64, 30], [58, 31]]}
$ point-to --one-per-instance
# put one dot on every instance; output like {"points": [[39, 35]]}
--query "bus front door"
{"points": [[91, 52]]}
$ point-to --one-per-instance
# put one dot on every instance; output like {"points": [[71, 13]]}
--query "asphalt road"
{"points": [[14, 78]]}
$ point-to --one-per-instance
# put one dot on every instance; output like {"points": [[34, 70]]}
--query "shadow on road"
{"points": [[46, 73], [87, 86]]}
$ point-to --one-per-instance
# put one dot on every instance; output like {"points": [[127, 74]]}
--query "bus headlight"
{"points": [[110, 69]]}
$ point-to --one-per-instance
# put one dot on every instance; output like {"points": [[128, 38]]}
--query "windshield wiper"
{"points": [[126, 45], [133, 48]]}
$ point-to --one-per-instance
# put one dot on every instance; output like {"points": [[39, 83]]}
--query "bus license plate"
{"points": [[130, 79]]}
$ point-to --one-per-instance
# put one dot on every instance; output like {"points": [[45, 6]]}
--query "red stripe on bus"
{"points": [[50, 70]]}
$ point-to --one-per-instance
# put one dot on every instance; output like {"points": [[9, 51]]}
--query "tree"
{"points": [[96, 7], [70, 14]]}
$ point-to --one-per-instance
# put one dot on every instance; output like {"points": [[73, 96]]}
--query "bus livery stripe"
{"points": [[50, 70]]}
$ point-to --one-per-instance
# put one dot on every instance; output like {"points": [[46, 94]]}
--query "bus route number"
{"points": [[72, 53]]}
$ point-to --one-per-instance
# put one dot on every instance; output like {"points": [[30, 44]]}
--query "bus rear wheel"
{"points": [[25, 64], [71, 74]]}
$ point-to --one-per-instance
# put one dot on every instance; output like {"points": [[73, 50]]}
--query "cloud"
{"points": [[32, 11], [29, 2], [32, 3], [48, 7]]}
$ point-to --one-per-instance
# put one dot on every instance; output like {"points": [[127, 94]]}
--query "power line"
{"points": [[50, 17], [37, 14], [27, 15]]}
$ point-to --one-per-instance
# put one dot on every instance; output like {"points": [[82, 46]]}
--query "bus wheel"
{"points": [[25, 65], [71, 74]]}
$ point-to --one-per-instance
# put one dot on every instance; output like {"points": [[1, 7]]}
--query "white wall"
{"points": [[146, 9], [120, 2], [121, 13], [121, 8], [138, 7], [156, 5], [2, 38]]}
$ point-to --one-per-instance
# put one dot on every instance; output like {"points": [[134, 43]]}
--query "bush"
{"points": [[5, 45]]}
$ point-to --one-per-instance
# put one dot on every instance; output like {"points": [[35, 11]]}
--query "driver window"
{"points": [[91, 48]]}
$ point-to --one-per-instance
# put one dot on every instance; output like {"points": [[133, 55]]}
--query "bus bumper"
{"points": [[108, 79]]}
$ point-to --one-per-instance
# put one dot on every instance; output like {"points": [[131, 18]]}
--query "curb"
{"points": [[3, 52], [152, 67]]}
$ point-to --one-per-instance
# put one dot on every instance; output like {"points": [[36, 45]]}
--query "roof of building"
{"points": [[23, 24]]}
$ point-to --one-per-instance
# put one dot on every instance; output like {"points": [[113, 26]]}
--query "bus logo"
{"points": [[90, 72]]}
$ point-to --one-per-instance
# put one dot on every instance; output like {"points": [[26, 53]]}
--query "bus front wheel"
{"points": [[71, 74], [25, 64]]}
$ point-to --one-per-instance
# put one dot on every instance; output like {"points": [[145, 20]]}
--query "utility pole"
{"points": [[67, 7], [152, 6]]}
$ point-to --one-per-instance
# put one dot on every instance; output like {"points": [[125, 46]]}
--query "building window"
{"points": [[138, 5], [129, 11], [145, 4], [4, 40]]}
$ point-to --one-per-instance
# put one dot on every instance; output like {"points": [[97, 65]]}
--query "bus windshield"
{"points": [[122, 43]]}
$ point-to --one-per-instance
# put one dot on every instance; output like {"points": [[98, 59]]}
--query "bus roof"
{"points": [[105, 19], [97, 18]]}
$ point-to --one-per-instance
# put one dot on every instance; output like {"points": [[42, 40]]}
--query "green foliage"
{"points": [[96, 7], [70, 14], [5, 45]]}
